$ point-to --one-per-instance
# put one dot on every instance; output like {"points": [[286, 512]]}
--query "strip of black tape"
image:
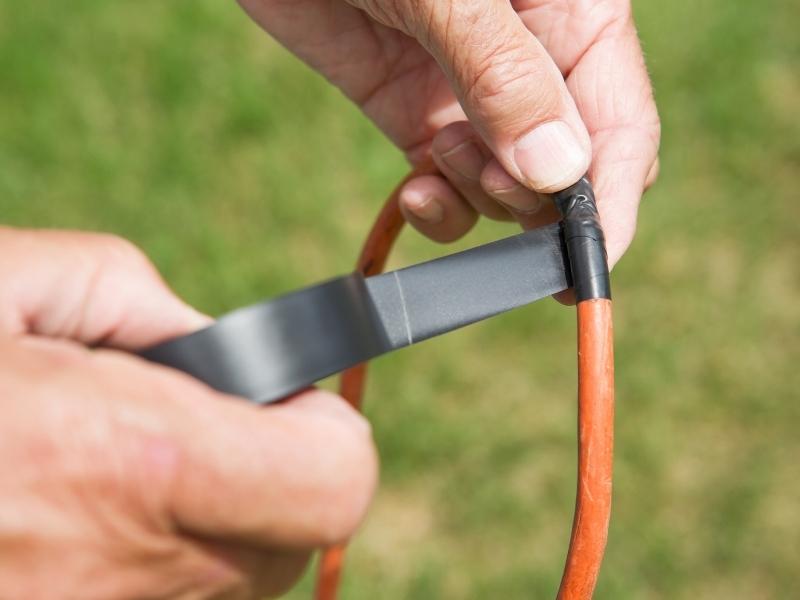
{"points": [[269, 350]]}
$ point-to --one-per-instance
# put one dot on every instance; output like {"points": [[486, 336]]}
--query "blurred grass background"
{"points": [[180, 126]]}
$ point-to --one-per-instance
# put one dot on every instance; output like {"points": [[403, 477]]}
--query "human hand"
{"points": [[530, 92], [123, 479]]}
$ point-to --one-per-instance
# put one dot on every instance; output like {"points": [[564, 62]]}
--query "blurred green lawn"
{"points": [[180, 126]]}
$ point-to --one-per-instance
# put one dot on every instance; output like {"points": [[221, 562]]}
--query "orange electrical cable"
{"points": [[371, 261], [595, 450], [595, 420]]}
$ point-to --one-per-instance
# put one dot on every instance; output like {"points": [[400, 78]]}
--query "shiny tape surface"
{"points": [[269, 350]]}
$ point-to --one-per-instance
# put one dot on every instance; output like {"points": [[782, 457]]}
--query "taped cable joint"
{"points": [[584, 240]]}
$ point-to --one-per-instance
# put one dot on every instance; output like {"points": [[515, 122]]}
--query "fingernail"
{"points": [[425, 208], [551, 157], [465, 159], [518, 199]]}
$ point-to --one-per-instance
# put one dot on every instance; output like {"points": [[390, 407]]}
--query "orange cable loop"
{"points": [[595, 420]]}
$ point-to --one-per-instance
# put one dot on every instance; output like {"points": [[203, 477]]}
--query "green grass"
{"points": [[242, 174]]}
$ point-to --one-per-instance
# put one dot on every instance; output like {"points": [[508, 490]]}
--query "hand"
{"points": [[501, 93], [122, 479]]}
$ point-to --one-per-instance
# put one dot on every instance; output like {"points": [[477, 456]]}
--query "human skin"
{"points": [[513, 100], [122, 479]]}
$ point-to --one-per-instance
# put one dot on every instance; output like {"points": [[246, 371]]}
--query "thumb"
{"points": [[509, 87]]}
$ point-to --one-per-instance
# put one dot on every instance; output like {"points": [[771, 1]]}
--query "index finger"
{"points": [[613, 93], [88, 287]]}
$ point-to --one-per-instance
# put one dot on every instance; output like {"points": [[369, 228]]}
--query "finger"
{"points": [[255, 572], [613, 92], [91, 288], [516, 198], [270, 573], [509, 87], [461, 156], [435, 209], [530, 209], [298, 474], [565, 297], [619, 174]]}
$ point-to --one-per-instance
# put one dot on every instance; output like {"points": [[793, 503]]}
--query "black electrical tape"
{"points": [[585, 242], [270, 350]]}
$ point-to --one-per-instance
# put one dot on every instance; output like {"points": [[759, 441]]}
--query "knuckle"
{"points": [[127, 467], [118, 250], [149, 463], [394, 13], [510, 81], [113, 452], [109, 260], [118, 265], [655, 128]]}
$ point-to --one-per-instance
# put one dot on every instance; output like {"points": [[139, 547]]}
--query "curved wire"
{"points": [[371, 261], [595, 450], [595, 420]]}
